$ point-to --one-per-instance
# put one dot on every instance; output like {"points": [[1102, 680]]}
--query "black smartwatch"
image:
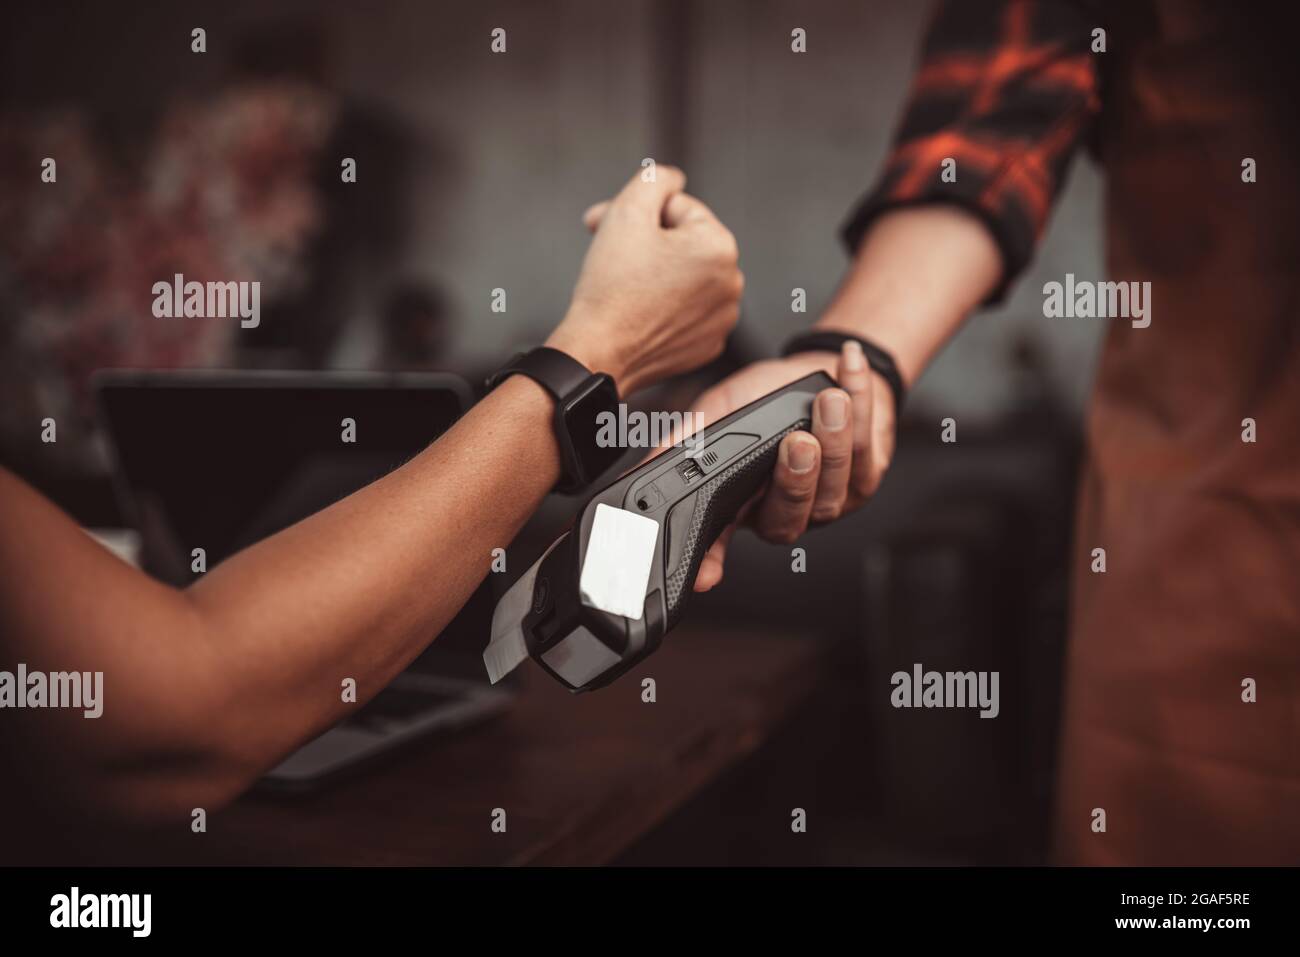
{"points": [[580, 396], [880, 361]]}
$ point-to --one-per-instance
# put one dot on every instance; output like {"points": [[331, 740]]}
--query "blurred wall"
{"points": [[506, 151]]}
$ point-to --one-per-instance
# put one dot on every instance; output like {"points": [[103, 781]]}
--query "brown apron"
{"points": [[1201, 592]]}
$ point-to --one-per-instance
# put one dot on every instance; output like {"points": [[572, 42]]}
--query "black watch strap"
{"points": [[574, 388], [880, 361], [555, 371]]}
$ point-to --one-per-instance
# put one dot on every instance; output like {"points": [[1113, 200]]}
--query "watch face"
{"points": [[581, 408]]}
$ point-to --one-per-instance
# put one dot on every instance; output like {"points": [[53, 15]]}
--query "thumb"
{"points": [[682, 208], [594, 214], [649, 196]]}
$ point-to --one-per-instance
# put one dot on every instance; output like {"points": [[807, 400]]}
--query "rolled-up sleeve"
{"points": [[1006, 91]]}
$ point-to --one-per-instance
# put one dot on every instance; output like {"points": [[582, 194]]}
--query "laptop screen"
{"points": [[222, 460]]}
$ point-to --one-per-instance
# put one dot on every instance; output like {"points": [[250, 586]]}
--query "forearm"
{"points": [[918, 273], [205, 688], [361, 588]]}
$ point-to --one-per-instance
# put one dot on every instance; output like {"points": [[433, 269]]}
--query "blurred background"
{"points": [[472, 171]]}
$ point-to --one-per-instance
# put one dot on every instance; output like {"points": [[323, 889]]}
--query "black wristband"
{"points": [[580, 396], [880, 361], [555, 371]]}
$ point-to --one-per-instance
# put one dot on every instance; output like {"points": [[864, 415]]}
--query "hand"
{"points": [[817, 476], [659, 289]]}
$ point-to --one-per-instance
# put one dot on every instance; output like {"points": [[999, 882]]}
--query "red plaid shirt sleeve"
{"points": [[1007, 89]]}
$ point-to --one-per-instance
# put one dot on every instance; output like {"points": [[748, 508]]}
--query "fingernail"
{"points": [[803, 455], [854, 360], [834, 410]]}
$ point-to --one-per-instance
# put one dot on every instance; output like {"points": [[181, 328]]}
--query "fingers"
{"points": [[682, 208], [710, 573], [855, 378], [832, 425], [882, 431], [647, 197], [784, 512], [594, 214]]}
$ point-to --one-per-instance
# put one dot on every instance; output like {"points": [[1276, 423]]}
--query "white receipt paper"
{"points": [[617, 567]]}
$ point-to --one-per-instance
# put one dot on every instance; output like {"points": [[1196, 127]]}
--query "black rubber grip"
{"points": [[715, 506]]}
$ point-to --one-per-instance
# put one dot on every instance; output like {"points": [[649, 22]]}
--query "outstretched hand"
{"points": [[819, 475]]}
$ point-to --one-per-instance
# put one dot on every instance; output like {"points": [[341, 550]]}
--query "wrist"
{"points": [[590, 348], [866, 357], [579, 397], [908, 359], [804, 363]]}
